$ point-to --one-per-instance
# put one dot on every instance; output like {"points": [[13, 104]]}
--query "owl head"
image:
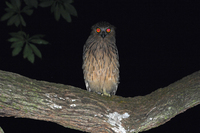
{"points": [[103, 29]]}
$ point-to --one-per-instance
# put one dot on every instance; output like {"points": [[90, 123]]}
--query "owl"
{"points": [[101, 60]]}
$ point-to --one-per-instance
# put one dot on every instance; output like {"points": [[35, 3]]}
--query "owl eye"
{"points": [[108, 30], [98, 30]]}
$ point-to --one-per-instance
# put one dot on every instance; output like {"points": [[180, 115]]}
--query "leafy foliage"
{"points": [[14, 16], [22, 40], [60, 8], [14, 13], [31, 3]]}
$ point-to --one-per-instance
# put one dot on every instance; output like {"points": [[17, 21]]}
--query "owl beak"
{"points": [[103, 34]]}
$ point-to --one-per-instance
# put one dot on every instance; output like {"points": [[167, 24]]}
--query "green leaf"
{"points": [[6, 16], [22, 33], [36, 50], [18, 3], [66, 15], [39, 41], [31, 3], [27, 10], [9, 10], [12, 20], [9, 5], [22, 20], [16, 35], [53, 6], [17, 44], [16, 51], [70, 9], [14, 39], [37, 36], [27, 51], [57, 13], [17, 21], [31, 58], [46, 3]]}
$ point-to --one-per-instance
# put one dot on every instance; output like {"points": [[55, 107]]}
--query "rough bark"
{"points": [[79, 109]]}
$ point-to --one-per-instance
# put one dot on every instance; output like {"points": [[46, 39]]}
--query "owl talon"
{"points": [[105, 93]]}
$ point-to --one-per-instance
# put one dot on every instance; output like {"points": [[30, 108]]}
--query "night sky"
{"points": [[158, 44]]}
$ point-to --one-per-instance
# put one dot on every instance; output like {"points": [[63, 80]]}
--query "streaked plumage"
{"points": [[100, 60]]}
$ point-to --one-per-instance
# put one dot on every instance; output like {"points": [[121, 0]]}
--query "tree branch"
{"points": [[79, 109]]}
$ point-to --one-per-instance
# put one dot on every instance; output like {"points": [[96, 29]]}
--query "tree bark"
{"points": [[82, 110]]}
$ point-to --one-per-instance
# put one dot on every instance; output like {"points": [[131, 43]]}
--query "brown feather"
{"points": [[100, 61]]}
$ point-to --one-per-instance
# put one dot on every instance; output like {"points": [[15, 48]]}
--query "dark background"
{"points": [[158, 44]]}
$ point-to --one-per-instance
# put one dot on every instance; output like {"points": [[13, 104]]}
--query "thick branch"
{"points": [[78, 109]]}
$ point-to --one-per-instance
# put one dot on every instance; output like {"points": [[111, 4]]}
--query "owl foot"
{"points": [[105, 94]]}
